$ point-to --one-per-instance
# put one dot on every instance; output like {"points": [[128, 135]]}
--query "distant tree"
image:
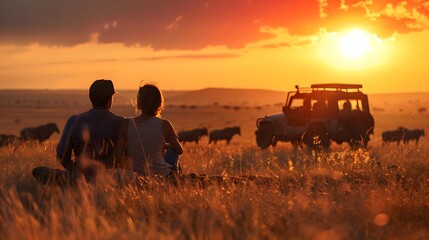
{"points": [[421, 110], [227, 107], [236, 108], [377, 109]]}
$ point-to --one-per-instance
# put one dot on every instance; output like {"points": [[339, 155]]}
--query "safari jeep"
{"points": [[318, 116]]}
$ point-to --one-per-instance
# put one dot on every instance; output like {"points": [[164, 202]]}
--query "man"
{"points": [[89, 136]]}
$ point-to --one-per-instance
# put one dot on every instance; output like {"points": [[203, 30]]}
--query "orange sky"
{"points": [[189, 44]]}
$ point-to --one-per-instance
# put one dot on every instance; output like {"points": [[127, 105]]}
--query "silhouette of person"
{"points": [[150, 141], [347, 108], [307, 105], [89, 136], [305, 109], [320, 108]]}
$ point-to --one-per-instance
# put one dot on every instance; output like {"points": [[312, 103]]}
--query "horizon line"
{"points": [[186, 90]]}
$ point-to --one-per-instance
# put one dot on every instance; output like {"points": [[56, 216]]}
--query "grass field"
{"points": [[379, 193], [375, 194]]}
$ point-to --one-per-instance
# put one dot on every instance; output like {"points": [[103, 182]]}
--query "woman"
{"points": [[150, 141]]}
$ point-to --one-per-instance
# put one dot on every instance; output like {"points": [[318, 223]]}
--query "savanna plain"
{"points": [[381, 192]]}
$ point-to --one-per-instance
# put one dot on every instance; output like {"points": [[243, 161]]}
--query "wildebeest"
{"points": [[7, 139], [414, 134], [40, 133], [192, 135], [224, 134], [393, 136]]}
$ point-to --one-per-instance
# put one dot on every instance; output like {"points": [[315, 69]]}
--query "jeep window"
{"points": [[296, 103], [299, 111]]}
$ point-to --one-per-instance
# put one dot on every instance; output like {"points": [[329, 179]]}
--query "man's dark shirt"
{"points": [[94, 133]]}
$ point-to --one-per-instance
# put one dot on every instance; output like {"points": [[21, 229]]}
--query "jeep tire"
{"points": [[265, 136], [316, 136]]}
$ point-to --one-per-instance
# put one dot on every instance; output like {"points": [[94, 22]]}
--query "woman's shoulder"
{"points": [[165, 121], [142, 119], [160, 119], [167, 126]]}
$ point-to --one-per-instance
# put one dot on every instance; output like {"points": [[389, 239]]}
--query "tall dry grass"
{"points": [[374, 194]]}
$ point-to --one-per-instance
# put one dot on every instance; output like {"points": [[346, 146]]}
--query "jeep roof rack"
{"points": [[336, 86], [303, 89]]}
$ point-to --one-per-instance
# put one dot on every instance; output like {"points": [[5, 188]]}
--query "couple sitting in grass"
{"points": [[99, 139]]}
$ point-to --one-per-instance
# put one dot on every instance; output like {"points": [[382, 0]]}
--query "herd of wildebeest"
{"points": [[40, 133], [214, 136], [44, 132], [402, 134]]}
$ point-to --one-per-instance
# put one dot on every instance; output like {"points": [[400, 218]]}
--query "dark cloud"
{"points": [[195, 24]]}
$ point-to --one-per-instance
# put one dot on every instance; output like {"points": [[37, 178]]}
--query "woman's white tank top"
{"points": [[145, 141]]}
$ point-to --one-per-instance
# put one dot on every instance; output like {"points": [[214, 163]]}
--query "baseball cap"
{"points": [[102, 89]]}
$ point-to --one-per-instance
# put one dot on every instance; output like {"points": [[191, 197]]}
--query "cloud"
{"points": [[322, 5], [174, 24], [193, 24], [191, 56], [9, 67], [275, 45], [22, 58]]}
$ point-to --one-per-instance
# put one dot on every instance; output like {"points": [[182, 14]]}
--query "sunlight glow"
{"points": [[353, 50], [355, 43]]}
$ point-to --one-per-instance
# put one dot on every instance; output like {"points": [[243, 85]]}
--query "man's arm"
{"points": [[65, 145], [120, 147]]}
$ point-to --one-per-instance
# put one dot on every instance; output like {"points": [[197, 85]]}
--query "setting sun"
{"points": [[353, 50], [355, 43]]}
